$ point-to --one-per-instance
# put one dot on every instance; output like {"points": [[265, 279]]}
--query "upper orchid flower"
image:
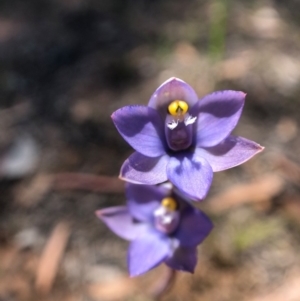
{"points": [[161, 226], [182, 139]]}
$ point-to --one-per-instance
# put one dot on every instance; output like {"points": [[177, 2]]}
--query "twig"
{"points": [[262, 189], [103, 184], [289, 169], [51, 257]]}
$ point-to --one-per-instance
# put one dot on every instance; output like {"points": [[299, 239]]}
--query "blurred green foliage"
{"points": [[217, 32]]}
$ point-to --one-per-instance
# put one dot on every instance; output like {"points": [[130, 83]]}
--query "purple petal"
{"points": [[140, 169], [183, 259], [231, 152], [143, 128], [190, 174], [142, 200], [147, 252], [119, 220], [194, 227], [172, 89], [218, 114]]}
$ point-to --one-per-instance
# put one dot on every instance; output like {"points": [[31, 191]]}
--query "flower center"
{"points": [[178, 133], [178, 108], [167, 216]]}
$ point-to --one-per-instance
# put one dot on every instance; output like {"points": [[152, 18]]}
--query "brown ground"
{"points": [[65, 66]]}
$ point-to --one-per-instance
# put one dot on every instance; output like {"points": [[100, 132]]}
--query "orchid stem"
{"points": [[163, 285]]}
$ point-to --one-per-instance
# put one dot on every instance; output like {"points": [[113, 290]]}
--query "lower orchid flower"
{"points": [[162, 227]]}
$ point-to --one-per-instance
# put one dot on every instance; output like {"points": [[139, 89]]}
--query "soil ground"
{"points": [[65, 66]]}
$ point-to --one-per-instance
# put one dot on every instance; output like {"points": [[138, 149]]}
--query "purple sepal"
{"points": [[142, 200], [119, 220], [140, 169], [172, 89], [191, 174], [147, 252], [218, 114], [142, 127], [194, 227], [183, 259], [229, 153]]}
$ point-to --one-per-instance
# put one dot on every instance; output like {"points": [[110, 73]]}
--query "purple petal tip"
{"points": [[98, 213]]}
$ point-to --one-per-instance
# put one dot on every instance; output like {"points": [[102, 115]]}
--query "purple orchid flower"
{"points": [[182, 139], [161, 226]]}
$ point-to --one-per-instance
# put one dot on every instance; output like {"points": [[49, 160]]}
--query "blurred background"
{"points": [[66, 65]]}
